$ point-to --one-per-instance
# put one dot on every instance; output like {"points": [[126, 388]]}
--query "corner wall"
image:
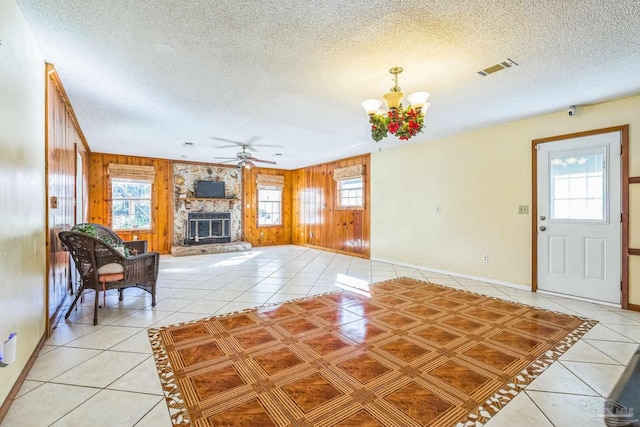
{"points": [[317, 221], [478, 179], [265, 235], [159, 238], [22, 193]]}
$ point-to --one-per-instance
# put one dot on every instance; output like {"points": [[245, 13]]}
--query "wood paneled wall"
{"points": [[271, 235], [63, 139], [159, 238], [310, 215], [316, 219]]}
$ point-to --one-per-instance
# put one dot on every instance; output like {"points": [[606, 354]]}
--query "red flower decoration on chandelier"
{"points": [[401, 122]]}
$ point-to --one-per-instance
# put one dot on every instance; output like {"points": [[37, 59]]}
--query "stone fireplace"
{"points": [[206, 225], [187, 206]]}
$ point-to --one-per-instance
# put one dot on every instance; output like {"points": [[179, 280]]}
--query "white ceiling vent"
{"points": [[495, 68]]}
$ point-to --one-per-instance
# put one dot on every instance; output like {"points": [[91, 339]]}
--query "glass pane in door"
{"points": [[577, 185]]}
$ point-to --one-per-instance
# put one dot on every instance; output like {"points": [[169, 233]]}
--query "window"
{"points": [[577, 185], [131, 192], [349, 187], [130, 204], [269, 205], [350, 193]]}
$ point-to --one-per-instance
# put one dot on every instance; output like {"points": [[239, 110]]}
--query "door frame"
{"points": [[624, 200]]}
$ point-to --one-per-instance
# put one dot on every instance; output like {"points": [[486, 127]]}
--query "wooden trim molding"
{"points": [[337, 251], [534, 215], [624, 199], [23, 376], [55, 78], [634, 180], [634, 251], [633, 307]]}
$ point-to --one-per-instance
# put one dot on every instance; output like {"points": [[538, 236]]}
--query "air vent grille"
{"points": [[498, 67]]}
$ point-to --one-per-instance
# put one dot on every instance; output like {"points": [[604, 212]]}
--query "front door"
{"points": [[579, 216]]}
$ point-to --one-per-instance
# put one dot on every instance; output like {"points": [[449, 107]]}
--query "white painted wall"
{"points": [[22, 184], [478, 179]]}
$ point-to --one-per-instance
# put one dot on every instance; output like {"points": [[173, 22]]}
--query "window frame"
{"points": [[280, 202], [339, 204], [151, 204]]}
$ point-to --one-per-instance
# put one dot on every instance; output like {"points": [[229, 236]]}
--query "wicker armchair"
{"points": [[101, 267], [136, 247]]}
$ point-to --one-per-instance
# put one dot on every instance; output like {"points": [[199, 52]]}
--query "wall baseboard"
{"points": [[23, 376], [455, 274], [634, 307], [337, 251]]}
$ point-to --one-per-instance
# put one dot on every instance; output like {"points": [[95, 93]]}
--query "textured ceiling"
{"points": [[144, 76]]}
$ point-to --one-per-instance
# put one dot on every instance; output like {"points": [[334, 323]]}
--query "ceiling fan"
{"points": [[245, 145], [244, 158]]}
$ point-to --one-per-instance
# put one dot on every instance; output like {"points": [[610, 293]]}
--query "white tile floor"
{"points": [[105, 375]]}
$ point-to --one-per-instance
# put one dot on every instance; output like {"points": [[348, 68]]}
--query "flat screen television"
{"points": [[210, 189]]}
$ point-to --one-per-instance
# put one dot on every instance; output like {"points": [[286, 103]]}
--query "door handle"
{"points": [[542, 228]]}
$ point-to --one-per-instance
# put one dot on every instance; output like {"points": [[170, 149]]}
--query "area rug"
{"points": [[410, 354]]}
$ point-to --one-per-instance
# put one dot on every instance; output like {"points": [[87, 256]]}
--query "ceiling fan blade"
{"points": [[228, 161], [226, 140], [228, 158], [246, 143], [266, 145], [261, 161], [227, 146]]}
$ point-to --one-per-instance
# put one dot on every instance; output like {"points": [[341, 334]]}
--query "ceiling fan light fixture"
{"points": [[399, 121]]}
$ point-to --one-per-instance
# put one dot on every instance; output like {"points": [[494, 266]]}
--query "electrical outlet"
{"points": [[438, 209], [485, 258], [523, 209]]}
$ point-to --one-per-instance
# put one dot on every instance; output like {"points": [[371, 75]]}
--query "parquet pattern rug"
{"points": [[412, 354]]}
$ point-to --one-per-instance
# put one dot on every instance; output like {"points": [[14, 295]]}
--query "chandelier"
{"points": [[399, 121]]}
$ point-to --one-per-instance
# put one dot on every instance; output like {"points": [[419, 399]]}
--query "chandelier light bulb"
{"points": [[371, 106], [418, 99]]}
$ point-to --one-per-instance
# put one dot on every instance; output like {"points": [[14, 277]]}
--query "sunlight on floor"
{"points": [[237, 260], [353, 284]]}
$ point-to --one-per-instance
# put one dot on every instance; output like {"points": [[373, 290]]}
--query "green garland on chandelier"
{"points": [[401, 122]]}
